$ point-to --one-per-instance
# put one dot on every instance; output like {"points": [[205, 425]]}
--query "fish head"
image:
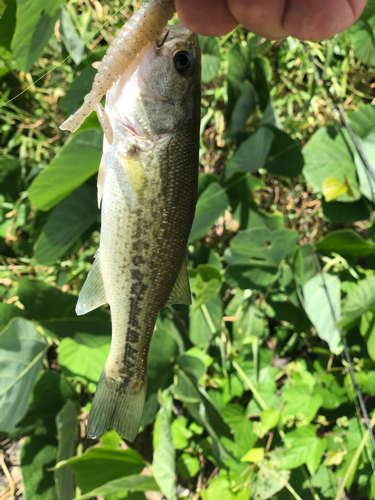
{"points": [[170, 78]]}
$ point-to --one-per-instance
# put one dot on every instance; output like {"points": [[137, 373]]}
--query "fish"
{"points": [[144, 27], [147, 188]]}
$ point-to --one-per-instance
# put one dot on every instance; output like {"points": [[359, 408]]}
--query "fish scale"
{"points": [[149, 191]]}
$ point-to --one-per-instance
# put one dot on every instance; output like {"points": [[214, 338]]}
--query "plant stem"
{"points": [[287, 485], [256, 394]]}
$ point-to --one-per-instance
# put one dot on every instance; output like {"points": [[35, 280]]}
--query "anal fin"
{"points": [[93, 293], [181, 291]]}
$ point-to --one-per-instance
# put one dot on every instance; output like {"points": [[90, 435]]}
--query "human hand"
{"points": [[273, 19]]}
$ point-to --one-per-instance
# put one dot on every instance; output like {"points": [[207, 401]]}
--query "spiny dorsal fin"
{"points": [[93, 293], [181, 290]]}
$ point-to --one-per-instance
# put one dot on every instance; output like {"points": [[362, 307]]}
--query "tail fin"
{"points": [[116, 406]]}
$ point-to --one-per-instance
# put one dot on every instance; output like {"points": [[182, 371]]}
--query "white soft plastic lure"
{"points": [[144, 27]]}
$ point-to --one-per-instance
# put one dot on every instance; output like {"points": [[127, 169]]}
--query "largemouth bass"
{"points": [[147, 183]]}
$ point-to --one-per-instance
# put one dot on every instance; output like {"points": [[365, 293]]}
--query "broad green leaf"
{"points": [[243, 108], [269, 419], [164, 351], [221, 488], [305, 447], [319, 293], [78, 160], [247, 277], [367, 329], [327, 154], [285, 157], [205, 321], [51, 392], [210, 57], [180, 433], [332, 188], [34, 27], [254, 455], [188, 466], [268, 482], [65, 225], [261, 246], [211, 205], [345, 242], [362, 120], [82, 362], [362, 35], [38, 454], [164, 461], [98, 466], [359, 301], [305, 265], [110, 439], [80, 86], [66, 423], [243, 429], [300, 401], [55, 311], [346, 213], [121, 486], [192, 366], [366, 181], [252, 153], [74, 45], [22, 350], [7, 312], [8, 23]]}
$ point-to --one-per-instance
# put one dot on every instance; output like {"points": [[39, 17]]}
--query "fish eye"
{"points": [[184, 62]]}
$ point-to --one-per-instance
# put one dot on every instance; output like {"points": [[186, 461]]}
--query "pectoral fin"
{"points": [[181, 290], [93, 293]]}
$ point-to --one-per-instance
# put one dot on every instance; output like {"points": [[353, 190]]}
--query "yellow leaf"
{"points": [[253, 455], [333, 188]]}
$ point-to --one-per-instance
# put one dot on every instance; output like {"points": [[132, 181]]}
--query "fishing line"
{"points": [[60, 63], [367, 165]]}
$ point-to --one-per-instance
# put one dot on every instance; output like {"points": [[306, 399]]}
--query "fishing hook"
{"points": [[160, 45]]}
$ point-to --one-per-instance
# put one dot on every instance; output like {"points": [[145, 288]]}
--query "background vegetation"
{"points": [[249, 395]]}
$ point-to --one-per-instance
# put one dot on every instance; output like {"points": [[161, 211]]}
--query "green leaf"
{"points": [[211, 205], [78, 160], [345, 213], [164, 462], [359, 301], [122, 486], [305, 448], [22, 350], [261, 246], [333, 188], [99, 466], [243, 108], [247, 277], [362, 120], [363, 34], [180, 433], [210, 57], [80, 86], [269, 419], [188, 466], [253, 455], [299, 401], [74, 45], [285, 157], [65, 225], [38, 454], [318, 308], [164, 351], [34, 26], [82, 362], [205, 321], [268, 482], [252, 153], [327, 154], [366, 182], [8, 24], [55, 311], [345, 242], [367, 329], [305, 265], [7, 312], [51, 392], [221, 488], [66, 423]]}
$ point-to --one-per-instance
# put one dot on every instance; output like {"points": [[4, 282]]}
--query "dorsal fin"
{"points": [[181, 290]]}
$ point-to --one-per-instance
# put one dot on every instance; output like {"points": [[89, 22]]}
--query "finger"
{"points": [[320, 19], [206, 17], [263, 17]]}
